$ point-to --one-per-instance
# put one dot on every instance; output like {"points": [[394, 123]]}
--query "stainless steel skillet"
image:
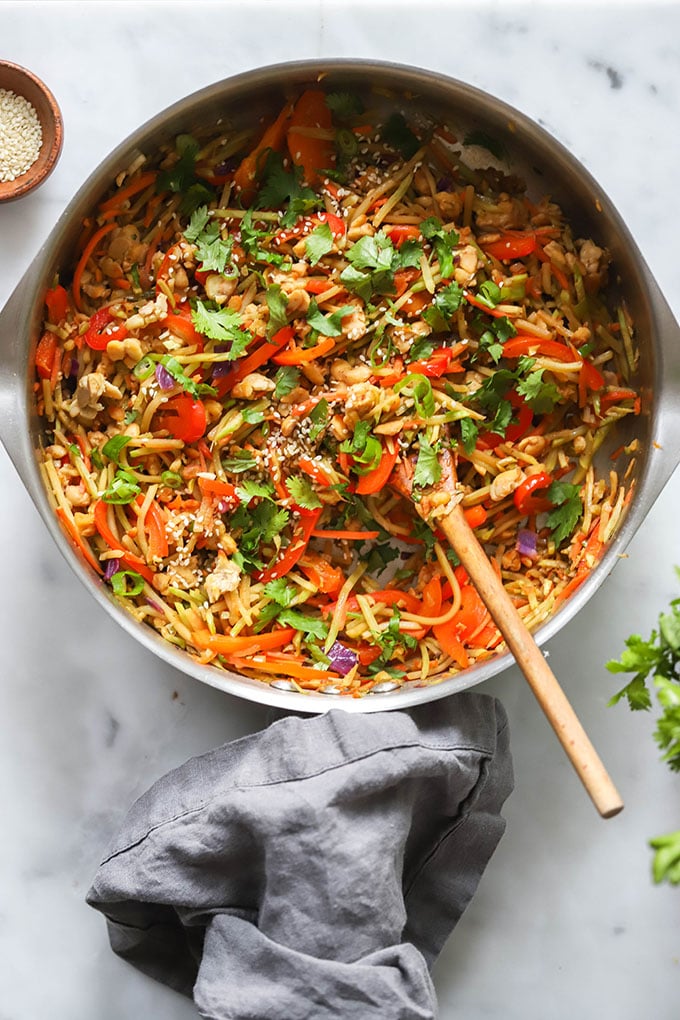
{"points": [[533, 154]]}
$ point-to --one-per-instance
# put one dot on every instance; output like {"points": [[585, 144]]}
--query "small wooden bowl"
{"points": [[24, 83]]}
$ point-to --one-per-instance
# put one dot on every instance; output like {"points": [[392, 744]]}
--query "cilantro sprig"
{"points": [[223, 325], [373, 262], [656, 662]]}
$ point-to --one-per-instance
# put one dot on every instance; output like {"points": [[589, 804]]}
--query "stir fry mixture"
{"points": [[261, 328]]}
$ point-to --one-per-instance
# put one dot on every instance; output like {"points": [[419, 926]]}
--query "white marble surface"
{"points": [[566, 921]]}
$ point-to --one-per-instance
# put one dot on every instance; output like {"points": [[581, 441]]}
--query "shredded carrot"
{"points": [[89, 250]]}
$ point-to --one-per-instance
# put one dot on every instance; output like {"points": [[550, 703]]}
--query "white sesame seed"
{"points": [[20, 135]]}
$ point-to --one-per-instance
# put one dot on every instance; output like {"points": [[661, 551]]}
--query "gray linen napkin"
{"points": [[314, 869]]}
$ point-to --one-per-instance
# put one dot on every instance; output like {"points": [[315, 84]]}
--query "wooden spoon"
{"points": [[528, 656]]}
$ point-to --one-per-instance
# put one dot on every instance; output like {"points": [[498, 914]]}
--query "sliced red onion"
{"points": [[112, 567], [221, 368], [163, 377], [73, 368], [342, 659], [154, 605], [526, 544], [444, 184]]}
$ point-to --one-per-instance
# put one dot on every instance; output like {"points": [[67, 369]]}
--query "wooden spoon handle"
{"points": [[531, 661]]}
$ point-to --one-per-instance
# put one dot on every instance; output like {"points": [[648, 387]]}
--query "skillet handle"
{"points": [[665, 453]]}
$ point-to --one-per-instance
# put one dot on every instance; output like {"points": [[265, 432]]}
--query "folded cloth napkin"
{"points": [[316, 868]]}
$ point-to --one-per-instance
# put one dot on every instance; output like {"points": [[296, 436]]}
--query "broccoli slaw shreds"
{"points": [[260, 328]]}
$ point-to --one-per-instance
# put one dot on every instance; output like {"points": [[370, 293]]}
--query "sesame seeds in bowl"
{"points": [[31, 132]]}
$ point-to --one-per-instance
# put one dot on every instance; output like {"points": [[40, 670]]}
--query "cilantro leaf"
{"points": [[327, 325], [286, 379], [223, 325], [566, 499], [257, 527], [251, 238], [181, 178], [312, 625], [173, 368], [344, 105], [491, 346], [280, 187], [319, 417], [197, 224], [420, 349], [366, 450], [302, 493], [428, 469], [277, 302], [212, 252], [281, 592], [398, 135], [469, 431], [540, 396], [444, 243], [249, 490], [319, 243], [241, 461], [445, 304]]}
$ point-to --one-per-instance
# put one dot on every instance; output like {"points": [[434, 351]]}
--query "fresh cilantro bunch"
{"points": [[658, 659]]}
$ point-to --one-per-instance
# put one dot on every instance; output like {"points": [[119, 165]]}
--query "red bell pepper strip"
{"points": [[440, 362], [57, 303], [321, 573], [612, 397], [242, 644], [294, 550], [131, 561], [525, 498], [589, 378], [253, 361], [154, 523], [511, 245], [403, 232], [533, 345], [301, 355], [376, 479], [181, 324], [349, 536], [387, 597], [183, 417], [45, 353], [100, 332]]}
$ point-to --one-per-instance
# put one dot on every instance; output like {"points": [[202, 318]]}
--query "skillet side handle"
{"points": [[666, 454], [16, 319]]}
